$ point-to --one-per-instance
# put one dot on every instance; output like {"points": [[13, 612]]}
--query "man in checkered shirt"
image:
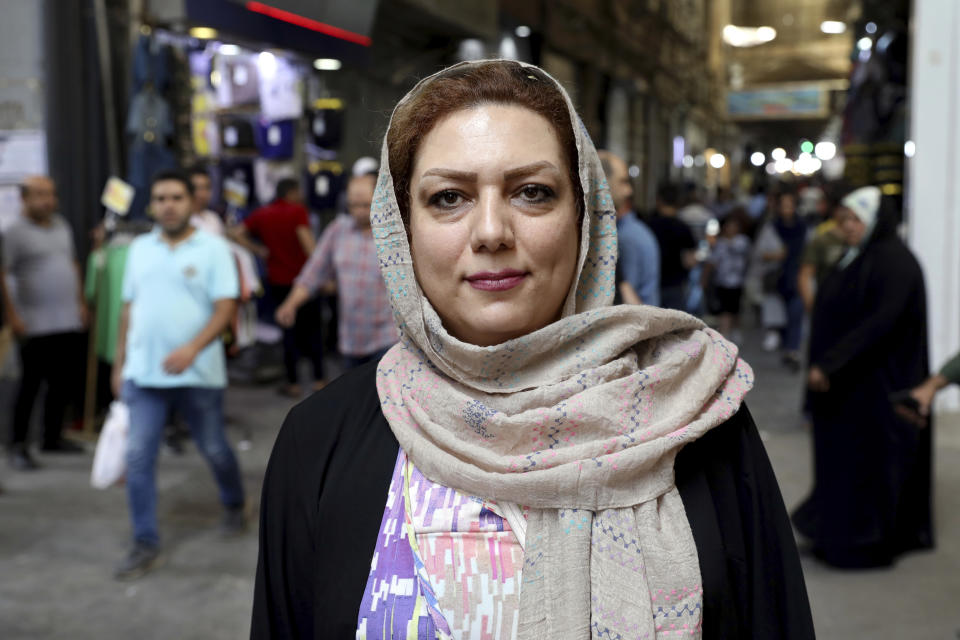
{"points": [[347, 256]]}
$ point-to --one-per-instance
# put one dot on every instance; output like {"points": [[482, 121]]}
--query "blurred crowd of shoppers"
{"points": [[280, 233], [178, 282], [781, 254], [825, 262]]}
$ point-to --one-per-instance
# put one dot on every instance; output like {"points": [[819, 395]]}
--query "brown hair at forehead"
{"points": [[465, 87]]}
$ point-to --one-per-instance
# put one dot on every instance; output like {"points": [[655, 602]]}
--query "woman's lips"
{"points": [[496, 281]]}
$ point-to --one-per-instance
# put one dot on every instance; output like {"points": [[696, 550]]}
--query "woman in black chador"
{"points": [[871, 496]]}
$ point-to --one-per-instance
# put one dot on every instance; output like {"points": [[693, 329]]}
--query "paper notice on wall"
{"points": [[9, 205], [22, 153]]}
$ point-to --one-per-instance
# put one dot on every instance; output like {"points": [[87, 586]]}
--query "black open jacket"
{"points": [[326, 489]]}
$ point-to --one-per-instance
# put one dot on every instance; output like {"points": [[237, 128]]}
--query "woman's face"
{"points": [[493, 222], [788, 207], [851, 226]]}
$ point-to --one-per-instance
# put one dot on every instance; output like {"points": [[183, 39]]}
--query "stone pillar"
{"points": [[933, 198]]}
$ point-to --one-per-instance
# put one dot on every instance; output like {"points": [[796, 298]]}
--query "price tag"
{"points": [[117, 196]]}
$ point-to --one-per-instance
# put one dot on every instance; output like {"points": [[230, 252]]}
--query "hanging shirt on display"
{"points": [[240, 169], [237, 133], [149, 125], [324, 182], [266, 175], [280, 92], [274, 139], [151, 64], [149, 117], [326, 123], [239, 81], [102, 288], [203, 121]]}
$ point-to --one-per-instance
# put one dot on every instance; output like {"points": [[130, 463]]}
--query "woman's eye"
{"points": [[446, 199], [536, 193]]}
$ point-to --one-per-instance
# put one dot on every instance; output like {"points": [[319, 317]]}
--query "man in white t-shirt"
{"points": [[203, 217]]}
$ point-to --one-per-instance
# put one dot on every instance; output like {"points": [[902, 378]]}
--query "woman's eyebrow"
{"points": [[510, 174], [529, 169], [453, 174]]}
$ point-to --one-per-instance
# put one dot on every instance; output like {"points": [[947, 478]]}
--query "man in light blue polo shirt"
{"points": [[179, 291]]}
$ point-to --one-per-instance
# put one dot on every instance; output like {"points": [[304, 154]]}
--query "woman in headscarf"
{"points": [[529, 461], [871, 495]]}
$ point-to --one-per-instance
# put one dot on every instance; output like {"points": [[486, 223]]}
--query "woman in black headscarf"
{"points": [[871, 495]]}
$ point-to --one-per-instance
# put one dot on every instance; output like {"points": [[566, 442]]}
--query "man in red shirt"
{"points": [[285, 241]]}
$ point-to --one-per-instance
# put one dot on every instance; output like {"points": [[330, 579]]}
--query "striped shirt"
{"points": [[346, 253]]}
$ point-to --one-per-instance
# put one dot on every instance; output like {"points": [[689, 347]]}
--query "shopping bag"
{"points": [[109, 460]]}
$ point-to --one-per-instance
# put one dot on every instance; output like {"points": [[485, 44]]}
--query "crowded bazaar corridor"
{"points": [[479, 320]]}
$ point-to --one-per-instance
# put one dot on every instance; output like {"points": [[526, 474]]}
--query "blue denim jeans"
{"points": [[792, 334], [202, 408]]}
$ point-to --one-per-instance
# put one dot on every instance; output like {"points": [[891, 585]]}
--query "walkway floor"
{"points": [[59, 540]]}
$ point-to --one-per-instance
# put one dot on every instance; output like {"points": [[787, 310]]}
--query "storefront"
{"points": [[240, 89]]}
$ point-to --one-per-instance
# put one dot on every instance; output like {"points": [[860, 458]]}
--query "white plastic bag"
{"points": [[109, 460]]}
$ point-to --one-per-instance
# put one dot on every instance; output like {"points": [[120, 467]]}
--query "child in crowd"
{"points": [[727, 266]]}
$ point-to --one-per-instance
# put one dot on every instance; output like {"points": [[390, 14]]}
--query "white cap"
{"points": [[364, 166], [864, 202]]}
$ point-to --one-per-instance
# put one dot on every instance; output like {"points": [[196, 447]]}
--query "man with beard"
{"points": [[45, 311], [347, 256], [179, 295]]}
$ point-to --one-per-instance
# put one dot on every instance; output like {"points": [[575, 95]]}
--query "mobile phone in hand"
{"points": [[905, 400]]}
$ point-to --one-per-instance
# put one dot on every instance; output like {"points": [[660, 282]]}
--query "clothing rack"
{"points": [[120, 233]]}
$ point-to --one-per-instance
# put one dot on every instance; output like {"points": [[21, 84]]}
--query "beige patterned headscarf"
{"points": [[579, 421]]}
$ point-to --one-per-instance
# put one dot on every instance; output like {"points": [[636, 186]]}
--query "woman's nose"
{"points": [[492, 223]]}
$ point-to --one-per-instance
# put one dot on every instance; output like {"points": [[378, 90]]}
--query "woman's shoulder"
{"points": [[347, 406], [355, 389], [727, 447], [894, 254], [743, 534], [889, 261]]}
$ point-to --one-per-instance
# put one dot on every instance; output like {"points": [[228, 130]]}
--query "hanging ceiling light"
{"points": [[825, 150], [203, 33], [326, 64], [833, 26], [747, 36]]}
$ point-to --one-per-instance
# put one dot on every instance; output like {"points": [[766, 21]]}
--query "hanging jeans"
{"points": [[146, 159], [202, 408]]}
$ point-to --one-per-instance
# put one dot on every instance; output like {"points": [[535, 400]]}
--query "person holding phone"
{"points": [[919, 400]]}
